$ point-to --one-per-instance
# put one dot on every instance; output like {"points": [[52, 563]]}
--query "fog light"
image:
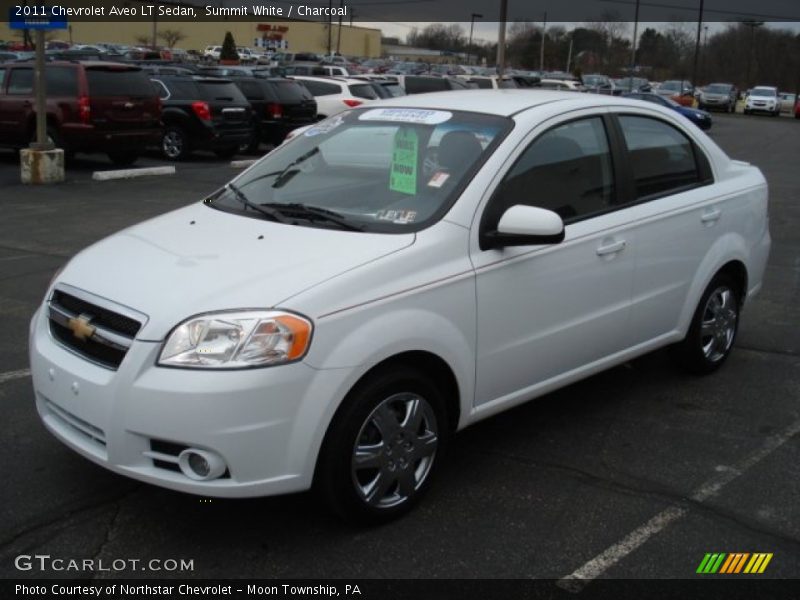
{"points": [[200, 465]]}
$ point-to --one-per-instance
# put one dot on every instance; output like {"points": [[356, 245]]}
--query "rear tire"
{"points": [[383, 446], [711, 335], [175, 143]]}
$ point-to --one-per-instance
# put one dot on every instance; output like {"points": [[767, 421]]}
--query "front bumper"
{"points": [[266, 424]]}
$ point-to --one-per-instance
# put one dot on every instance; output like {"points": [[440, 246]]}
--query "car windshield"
{"points": [[718, 88], [766, 92], [380, 169]]}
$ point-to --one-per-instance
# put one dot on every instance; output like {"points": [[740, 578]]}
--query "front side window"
{"points": [[661, 157], [568, 170], [384, 169]]}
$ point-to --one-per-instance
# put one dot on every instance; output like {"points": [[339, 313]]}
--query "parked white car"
{"points": [[565, 85], [763, 99], [212, 52], [337, 94], [392, 275]]}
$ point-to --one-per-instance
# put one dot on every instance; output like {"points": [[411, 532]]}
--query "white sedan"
{"points": [[388, 277]]}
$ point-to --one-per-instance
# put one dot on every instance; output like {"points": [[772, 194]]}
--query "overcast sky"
{"points": [[488, 31]]}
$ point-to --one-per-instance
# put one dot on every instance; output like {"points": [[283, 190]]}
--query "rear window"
{"points": [[321, 88], [220, 90], [251, 89], [182, 89], [290, 92], [20, 81], [363, 90], [119, 82]]}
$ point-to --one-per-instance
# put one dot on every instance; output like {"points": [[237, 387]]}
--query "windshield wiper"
{"points": [[304, 211], [285, 175], [264, 210]]}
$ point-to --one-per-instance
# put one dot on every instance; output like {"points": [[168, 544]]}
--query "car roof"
{"points": [[336, 78], [502, 102]]}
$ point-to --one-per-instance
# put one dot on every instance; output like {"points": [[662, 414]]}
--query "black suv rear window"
{"points": [[220, 90], [290, 92], [118, 82]]}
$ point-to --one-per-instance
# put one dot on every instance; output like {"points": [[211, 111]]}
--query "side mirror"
{"points": [[523, 225]]}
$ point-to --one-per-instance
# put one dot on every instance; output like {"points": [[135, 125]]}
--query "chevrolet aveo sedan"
{"points": [[389, 276]]}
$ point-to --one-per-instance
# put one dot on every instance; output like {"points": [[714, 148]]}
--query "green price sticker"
{"points": [[403, 176]]}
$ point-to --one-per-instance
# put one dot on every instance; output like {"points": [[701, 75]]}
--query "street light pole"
{"points": [[633, 52], [697, 45], [541, 49], [471, 27], [501, 39]]}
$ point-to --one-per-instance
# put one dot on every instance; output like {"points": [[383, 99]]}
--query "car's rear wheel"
{"points": [[382, 447], [175, 143], [710, 338]]}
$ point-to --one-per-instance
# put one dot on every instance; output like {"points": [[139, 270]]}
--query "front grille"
{"points": [[97, 333]]}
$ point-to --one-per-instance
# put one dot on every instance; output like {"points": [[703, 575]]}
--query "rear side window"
{"points": [[567, 169], [363, 90], [661, 157], [182, 90], [321, 88], [61, 81], [20, 81], [107, 82]]}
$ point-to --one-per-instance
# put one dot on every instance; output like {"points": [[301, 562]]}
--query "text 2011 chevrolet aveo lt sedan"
{"points": [[391, 275]]}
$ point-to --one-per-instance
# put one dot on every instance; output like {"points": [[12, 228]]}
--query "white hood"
{"points": [[199, 259]]}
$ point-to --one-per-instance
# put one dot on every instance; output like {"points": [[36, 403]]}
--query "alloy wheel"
{"points": [[718, 327]]}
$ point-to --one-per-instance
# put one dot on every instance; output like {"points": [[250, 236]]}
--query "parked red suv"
{"points": [[92, 106]]}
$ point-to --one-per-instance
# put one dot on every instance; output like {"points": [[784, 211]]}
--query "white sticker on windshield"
{"points": [[325, 126], [420, 116]]}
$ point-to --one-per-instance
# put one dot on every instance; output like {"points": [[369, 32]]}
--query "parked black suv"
{"points": [[91, 107], [202, 113], [279, 105]]}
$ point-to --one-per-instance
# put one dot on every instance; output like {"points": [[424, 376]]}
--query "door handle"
{"points": [[612, 248], [711, 216]]}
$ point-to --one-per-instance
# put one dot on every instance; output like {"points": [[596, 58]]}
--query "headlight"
{"points": [[235, 340]]}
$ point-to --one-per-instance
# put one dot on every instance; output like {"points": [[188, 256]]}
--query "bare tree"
{"points": [[143, 40], [171, 36]]}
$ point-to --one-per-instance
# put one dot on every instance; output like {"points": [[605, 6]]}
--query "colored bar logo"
{"points": [[736, 562]]}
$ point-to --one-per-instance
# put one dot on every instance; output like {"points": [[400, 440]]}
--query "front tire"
{"points": [[712, 332], [381, 450]]}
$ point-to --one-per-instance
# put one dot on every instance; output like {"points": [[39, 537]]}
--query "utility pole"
{"points": [[634, 44], [330, 26], [501, 39], [339, 32], [752, 25], [541, 49], [471, 27], [697, 45], [569, 54]]}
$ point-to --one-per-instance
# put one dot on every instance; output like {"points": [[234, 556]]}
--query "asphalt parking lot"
{"points": [[634, 473]]}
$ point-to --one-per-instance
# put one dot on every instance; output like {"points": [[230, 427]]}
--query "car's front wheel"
{"points": [[710, 338], [381, 449]]}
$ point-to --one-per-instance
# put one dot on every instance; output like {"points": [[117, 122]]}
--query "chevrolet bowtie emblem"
{"points": [[80, 327]]}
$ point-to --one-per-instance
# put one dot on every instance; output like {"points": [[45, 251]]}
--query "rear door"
{"points": [[121, 98]]}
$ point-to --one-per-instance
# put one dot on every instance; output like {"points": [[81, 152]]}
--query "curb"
{"points": [[132, 173], [243, 164]]}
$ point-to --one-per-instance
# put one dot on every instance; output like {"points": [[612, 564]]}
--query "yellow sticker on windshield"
{"points": [[403, 176]]}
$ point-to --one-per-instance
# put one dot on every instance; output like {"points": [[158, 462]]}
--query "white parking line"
{"points": [[12, 375], [243, 164], [131, 173], [581, 577]]}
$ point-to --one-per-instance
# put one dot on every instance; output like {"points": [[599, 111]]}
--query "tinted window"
{"points": [[251, 89], [2, 79], [320, 88], [220, 90], [661, 157], [567, 170], [290, 92], [106, 82], [61, 81], [484, 84], [20, 81], [363, 90], [182, 89]]}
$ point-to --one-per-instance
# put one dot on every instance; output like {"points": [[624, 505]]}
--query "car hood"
{"points": [[199, 259]]}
